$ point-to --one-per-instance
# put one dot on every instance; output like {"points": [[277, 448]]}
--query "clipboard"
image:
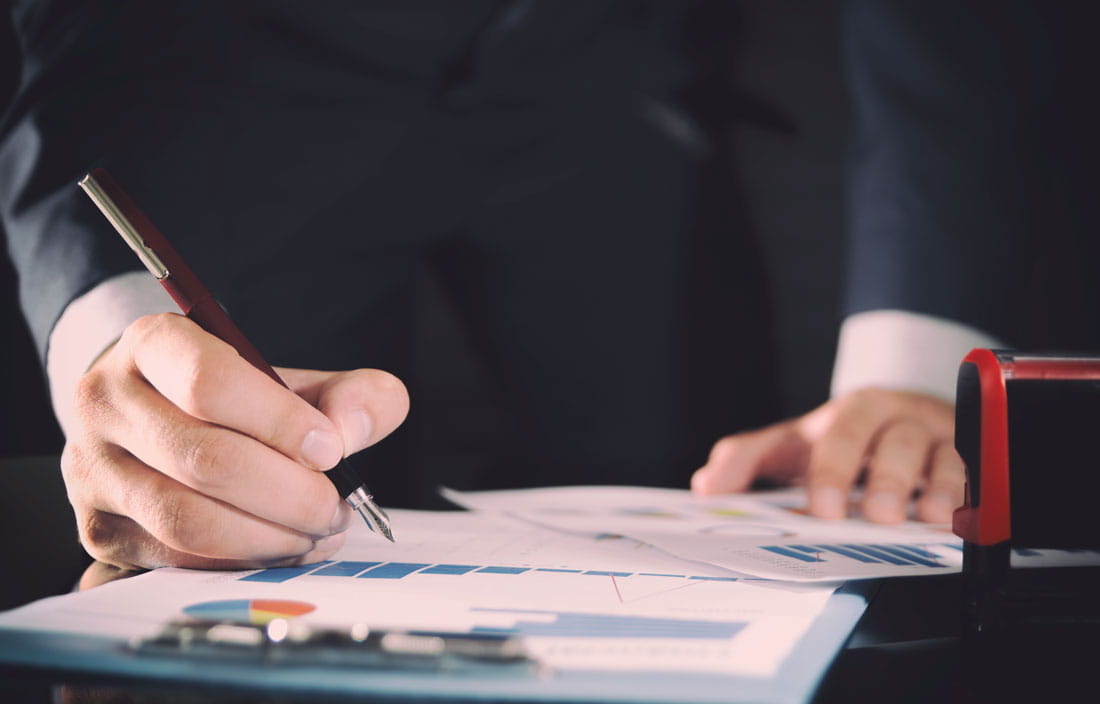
{"points": [[62, 655]]}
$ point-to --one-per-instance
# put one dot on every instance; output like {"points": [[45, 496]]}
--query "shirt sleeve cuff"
{"points": [[903, 351], [91, 324]]}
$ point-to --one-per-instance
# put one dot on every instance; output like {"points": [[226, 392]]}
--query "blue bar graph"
{"points": [[880, 554], [344, 569], [449, 569], [902, 552], [787, 552], [859, 557], [581, 625], [869, 553], [279, 574], [606, 573], [398, 570], [392, 570]]}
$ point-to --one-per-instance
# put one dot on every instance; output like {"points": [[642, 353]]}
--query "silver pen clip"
{"points": [[124, 227]]}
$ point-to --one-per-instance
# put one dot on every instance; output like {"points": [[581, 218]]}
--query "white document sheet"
{"points": [[582, 603], [765, 534]]}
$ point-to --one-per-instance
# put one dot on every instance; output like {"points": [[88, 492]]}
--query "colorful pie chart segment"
{"points": [[259, 612]]}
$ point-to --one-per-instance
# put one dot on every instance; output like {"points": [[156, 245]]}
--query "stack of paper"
{"points": [[686, 598]]}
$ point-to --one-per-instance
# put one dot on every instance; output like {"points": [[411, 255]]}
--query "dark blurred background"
{"points": [[788, 60]]}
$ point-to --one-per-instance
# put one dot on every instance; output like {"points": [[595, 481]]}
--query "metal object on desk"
{"points": [[282, 642], [1027, 428]]}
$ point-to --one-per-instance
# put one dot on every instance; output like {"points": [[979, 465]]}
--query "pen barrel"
{"points": [[208, 314], [344, 478]]}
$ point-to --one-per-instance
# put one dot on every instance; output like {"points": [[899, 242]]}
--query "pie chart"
{"points": [[258, 612]]}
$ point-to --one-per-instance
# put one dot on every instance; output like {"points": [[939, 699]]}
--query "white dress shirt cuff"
{"points": [[903, 351], [91, 324]]}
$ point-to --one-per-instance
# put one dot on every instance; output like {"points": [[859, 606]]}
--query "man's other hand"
{"points": [[903, 443]]}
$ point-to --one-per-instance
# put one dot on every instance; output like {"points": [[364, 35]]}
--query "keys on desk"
{"points": [[283, 642]]}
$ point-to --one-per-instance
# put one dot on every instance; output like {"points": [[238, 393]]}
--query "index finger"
{"points": [[207, 379]]}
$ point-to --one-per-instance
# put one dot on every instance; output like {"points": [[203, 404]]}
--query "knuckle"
{"points": [[91, 398], [873, 402], [867, 396], [842, 437], [98, 534], [907, 436], [139, 332], [208, 458], [176, 524], [203, 375]]}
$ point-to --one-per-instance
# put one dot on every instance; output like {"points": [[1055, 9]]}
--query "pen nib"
{"points": [[375, 518]]}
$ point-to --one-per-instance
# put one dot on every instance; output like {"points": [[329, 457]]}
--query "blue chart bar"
{"points": [[449, 569], [880, 554], [605, 573], [393, 570], [504, 570], [344, 569], [787, 552], [555, 569], [717, 579], [278, 574], [903, 551], [580, 625], [849, 553]]}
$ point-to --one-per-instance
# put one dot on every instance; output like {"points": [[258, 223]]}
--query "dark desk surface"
{"points": [[906, 648]]}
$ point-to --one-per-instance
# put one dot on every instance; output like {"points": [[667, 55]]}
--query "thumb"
{"points": [[366, 404]]}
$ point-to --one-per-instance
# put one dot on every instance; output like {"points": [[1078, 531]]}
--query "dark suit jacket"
{"points": [[972, 177], [559, 165]]}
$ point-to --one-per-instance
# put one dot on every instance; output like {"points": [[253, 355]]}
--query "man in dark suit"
{"points": [[550, 163]]}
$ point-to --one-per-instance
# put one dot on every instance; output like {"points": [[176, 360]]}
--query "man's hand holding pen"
{"points": [[185, 454]]}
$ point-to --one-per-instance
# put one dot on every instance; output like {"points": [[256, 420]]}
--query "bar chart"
{"points": [[565, 624], [866, 553], [351, 569]]}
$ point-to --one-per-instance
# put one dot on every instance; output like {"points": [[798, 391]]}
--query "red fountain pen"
{"points": [[198, 304]]}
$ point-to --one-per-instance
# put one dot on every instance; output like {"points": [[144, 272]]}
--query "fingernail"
{"points": [[884, 506], [828, 502], [358, 428], [341, 519], [322, 449]]}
